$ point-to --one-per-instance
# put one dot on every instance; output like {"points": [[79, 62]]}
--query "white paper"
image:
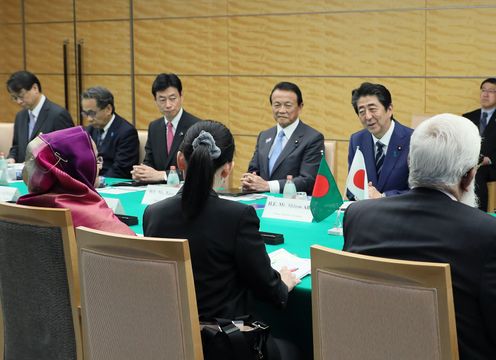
{"points": [[288, 209], [156, 193], [8, 193], [281, 258], [115, 205], [118, 190], [247, 197]]}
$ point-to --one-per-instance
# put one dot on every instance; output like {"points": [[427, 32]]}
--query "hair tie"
{"points": [[205, 138]]}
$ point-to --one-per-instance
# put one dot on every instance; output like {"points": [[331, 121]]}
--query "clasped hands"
{"points": [[253, 182]]}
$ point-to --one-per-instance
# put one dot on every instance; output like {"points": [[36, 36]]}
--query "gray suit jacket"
{"points": [[300, 157], [52, 117]]}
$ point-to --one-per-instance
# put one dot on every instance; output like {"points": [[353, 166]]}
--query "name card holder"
{"points": [[288, 209], [115, 205], [8, 193], [155, 193]]}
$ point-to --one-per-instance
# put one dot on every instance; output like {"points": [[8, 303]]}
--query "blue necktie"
{"points": [[276, 150], [379, 157], [483, 122], [32, 121]]}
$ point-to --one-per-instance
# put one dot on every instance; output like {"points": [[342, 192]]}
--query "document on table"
{"points": [[118, 190], [282, 257]]}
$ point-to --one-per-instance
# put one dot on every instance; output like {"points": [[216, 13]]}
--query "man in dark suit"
{"points": [[166, 133], [485, 119], [290, 148], [116, 139], [384, 142], [437, 221], [39, 115]]}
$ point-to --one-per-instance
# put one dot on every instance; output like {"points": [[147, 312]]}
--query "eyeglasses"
{"points": [[90, 113], [19, 96], [487, 91]]}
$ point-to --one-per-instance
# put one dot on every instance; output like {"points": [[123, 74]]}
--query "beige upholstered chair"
{"points": [[137, 298], [491, 196], [366, 307], [330, 148], [6, 134], [38, 291], [143, 137]]}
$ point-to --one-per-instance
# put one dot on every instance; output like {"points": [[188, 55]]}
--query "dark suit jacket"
{"points": [[227, 253], [52, 117], [156, 148], [300, 157], [426, 225], [488, 146], [119, 148], [394, 175]]}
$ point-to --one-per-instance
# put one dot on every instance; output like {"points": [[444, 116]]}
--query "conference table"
{"points": [[293, 323]]}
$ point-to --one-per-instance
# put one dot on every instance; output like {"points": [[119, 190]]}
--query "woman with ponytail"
{"points": [[228, 255]]}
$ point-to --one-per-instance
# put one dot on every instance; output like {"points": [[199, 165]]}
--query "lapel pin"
{"points": [[268, 140], [181, 134], [399, 148]]}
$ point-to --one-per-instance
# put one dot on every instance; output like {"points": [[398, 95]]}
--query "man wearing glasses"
{"points": [[39, 115], [166, 133], [115, 138], [485, 119]]}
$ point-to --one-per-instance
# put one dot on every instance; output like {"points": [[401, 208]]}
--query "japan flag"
{"points": [[357, 182]]}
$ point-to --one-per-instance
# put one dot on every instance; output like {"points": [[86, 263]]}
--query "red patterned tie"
{"points": [[170, 136]]}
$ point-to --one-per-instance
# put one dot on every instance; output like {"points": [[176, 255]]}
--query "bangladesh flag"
{"points": [[325, 196]]}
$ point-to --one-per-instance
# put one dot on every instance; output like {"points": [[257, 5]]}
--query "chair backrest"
{"points": [[418, 118], [366, 307], [137, 297], [6, 134], [143, 137], [330, 148], [38, 294]]}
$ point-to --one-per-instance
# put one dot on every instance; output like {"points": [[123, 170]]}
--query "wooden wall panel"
{"points": [[8, 108], [459, 3], [119, 86], [291, 6], [355, 44], [10, 11], [459, 42], [185, 8], [10, 48], [48, 11], [146, 109], [53, 89], [455, 96], [44, 44], [107, 50], [182, 46], [98, 10]]}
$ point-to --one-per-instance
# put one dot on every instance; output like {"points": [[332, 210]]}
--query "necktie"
{"points": [[32, 121], [276, 151], [170, 136], [483, 122], [379, 157], [99, 133]]}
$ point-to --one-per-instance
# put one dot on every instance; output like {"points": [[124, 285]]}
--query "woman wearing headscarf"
{"points": [[61, 171]]}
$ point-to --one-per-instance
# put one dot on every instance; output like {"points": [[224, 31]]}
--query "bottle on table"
{"points": [[173, 177], [289, 188], [4, 176]]}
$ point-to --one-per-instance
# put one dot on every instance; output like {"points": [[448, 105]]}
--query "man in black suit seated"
{"points": [[485, 119], [437, 221], [166, 133], [39, 115], [290, 148], [116, 139]]}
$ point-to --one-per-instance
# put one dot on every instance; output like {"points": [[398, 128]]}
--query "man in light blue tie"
{"points": [[485, 118], [289, 148]]}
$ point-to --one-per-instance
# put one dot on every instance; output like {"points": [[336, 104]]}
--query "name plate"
{"points": [[156, 193], [115, 205], [8, 193], [288, 209]]}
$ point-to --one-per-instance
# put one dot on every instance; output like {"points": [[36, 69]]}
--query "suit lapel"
{"points": [[24, 129], [491, 125], [178, 139], [110, 134], [396, 145], [293, 142]]}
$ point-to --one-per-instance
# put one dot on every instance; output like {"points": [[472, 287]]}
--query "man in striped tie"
{"points": [[485, 118], [384, 142]]}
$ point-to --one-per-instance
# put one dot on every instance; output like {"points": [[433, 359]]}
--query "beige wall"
{"points": [[431, 54]]}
